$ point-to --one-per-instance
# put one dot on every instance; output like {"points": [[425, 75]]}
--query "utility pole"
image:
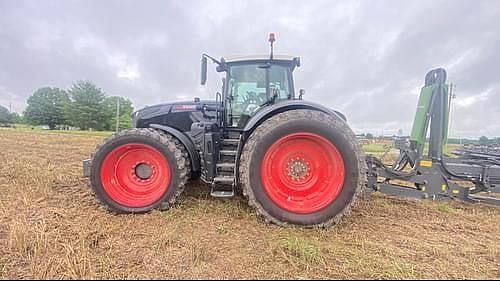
{"points": [[117, 113], [10, 107]]}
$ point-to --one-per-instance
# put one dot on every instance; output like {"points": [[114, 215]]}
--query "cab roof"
{"points": [[230, 59], [282, 59]]}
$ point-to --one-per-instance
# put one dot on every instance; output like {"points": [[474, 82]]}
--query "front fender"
{"points": [[186, 141], [279, 107]]}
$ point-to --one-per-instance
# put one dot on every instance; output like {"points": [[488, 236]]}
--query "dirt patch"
{"points": [[51, 227]]}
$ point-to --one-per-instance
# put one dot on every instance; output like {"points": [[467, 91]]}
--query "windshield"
{"points": [[248, 89]]}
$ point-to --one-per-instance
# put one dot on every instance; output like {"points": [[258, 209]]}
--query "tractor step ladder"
{"points": [[224, 182]]}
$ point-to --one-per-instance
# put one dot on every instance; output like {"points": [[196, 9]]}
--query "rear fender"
{"points": [[274, 109]]}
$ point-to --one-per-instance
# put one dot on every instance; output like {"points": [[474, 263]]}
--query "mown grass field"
{"points": [[51, 227]]}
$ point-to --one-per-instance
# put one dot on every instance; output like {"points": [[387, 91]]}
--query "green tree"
{"points": [[5, 116], [46, 107], [125, 122], [126, 109], [16, 118], [483, 140], [86, 109], [369, 136]]}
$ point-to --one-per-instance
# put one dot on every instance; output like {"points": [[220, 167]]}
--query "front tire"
{"points": [[302, 167], [138, 170]]}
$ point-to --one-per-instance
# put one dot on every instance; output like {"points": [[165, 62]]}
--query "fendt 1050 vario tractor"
{"points": [[295, 161]]}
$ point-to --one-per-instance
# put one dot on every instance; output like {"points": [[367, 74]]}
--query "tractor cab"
{"points": [[254, 82], [251, 83]]}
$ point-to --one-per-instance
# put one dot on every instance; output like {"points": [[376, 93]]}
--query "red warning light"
{"points": [[272, 37]]}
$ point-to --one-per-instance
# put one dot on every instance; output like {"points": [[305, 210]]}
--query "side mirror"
{"points": [[296, 60], [301, 93], [203, 70]]}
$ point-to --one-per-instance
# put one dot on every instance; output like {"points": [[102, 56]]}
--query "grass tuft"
{"points": [[445, 208], [199, 253], [300, 250]]}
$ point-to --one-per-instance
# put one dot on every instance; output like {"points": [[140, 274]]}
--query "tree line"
{"points": [[6, 117], [483, 140], [83, 106]]}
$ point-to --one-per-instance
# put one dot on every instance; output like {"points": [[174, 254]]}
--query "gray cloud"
{"points": [[365, 58]]}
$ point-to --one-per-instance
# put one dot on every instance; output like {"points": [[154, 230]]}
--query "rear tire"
{"points": [[138, 170], [302, 167]]}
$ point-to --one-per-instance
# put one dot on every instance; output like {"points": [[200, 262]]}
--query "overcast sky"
{"points": [[364, 58]]}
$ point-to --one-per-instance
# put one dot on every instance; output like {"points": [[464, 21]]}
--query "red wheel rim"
{"points": [[135, 175], [303, 173]]}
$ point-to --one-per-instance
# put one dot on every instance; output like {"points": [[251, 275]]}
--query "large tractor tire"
{"points": [[302, 167], [137, 170]]}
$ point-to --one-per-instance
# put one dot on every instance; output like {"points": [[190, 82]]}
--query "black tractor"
{"points": [[296, 162]]}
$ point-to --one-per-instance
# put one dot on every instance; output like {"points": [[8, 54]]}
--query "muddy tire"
{"points": [[302, 167], [138, 170]]}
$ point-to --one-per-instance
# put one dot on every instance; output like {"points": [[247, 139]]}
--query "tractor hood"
{"points": [[161, 113], [165, 108]]}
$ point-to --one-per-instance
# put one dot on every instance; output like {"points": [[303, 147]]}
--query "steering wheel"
{"points": [[252, 101]]}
